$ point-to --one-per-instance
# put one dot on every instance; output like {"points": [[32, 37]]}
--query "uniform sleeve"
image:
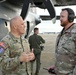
{"points": [[2, 46], [73, 72], [7, 63], [42, 40], [29, 41]]}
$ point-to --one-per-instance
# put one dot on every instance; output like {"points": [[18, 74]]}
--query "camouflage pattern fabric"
{"points": [[9, 59], [65, 52]]}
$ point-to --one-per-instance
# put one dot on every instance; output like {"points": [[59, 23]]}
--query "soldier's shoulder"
{"points": [[31, 36], [74, 25], [74, 28], [24, 39], [39, 36], [6, 38]]}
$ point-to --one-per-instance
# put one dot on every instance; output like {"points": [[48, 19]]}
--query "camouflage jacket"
{"points": [[65, 52], [9, 59]]}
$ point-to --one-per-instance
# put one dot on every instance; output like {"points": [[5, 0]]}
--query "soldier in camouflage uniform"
{"points": [[15, 55], [65, 53]]}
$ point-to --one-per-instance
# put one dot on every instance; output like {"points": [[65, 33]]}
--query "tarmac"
{"points": [[47, 60], [47, 56]]}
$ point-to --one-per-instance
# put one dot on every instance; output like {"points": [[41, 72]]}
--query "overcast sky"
{"points": [[48, 26]]}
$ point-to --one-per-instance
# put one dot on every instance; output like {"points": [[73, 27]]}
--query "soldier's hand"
{"points": [[24, 57], [31, 55]]}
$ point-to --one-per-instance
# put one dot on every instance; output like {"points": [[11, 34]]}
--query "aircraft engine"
{"points": [[32, 20]]}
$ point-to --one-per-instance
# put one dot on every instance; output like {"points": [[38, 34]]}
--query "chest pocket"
{"points": [[67, 44], [25, 45]]}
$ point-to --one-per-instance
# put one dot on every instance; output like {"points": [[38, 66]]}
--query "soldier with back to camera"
{"points": [[35, 40], [65, 52]]}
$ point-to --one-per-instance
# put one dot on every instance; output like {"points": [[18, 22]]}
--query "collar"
{"points": [[14, 38], [67, 30]]}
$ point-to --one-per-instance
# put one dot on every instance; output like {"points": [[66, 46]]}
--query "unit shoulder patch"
{"points": [[2, 47]]}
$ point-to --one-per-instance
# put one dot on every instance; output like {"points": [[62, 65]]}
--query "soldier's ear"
{"points": [[15, 26]]}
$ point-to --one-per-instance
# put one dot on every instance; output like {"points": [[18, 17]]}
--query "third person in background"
{"points": [[35, 40]]}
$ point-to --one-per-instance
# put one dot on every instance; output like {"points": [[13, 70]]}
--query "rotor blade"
{"points": [[2, 1], [50, 7], [25, 8]]}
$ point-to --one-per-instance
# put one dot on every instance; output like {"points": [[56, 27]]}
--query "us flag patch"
{"points": [[2, 46]]}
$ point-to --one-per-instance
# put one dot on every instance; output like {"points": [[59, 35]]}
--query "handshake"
{"points": [[26, 57]]}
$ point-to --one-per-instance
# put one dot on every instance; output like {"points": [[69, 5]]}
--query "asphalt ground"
{"points": [[47, 56]]}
